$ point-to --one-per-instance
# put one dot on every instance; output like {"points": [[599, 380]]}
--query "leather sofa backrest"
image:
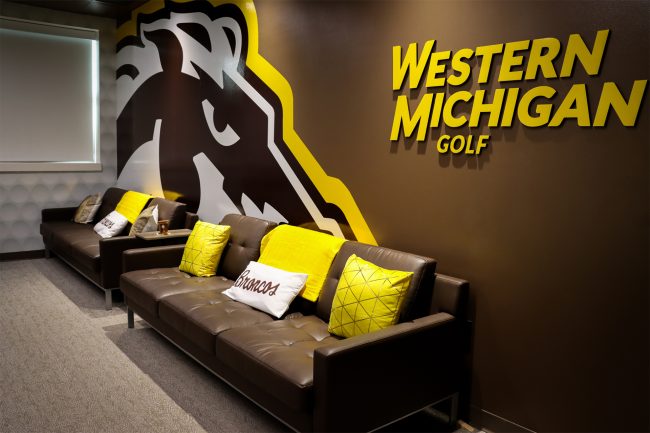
{"points": [[246, 234], [190, 220], [418, 297], [170, 210], [111, 198]]}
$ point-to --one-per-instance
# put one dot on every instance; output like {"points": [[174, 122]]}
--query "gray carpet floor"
{"points": [[68, 365]]}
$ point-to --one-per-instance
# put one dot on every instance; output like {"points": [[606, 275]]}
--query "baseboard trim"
{"points": [[485, 420], [22, 255]]}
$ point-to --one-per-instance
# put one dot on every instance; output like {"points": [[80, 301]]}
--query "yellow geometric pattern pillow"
{"points": [[131, 204], [303, 251], [368, 298], [203, 249]]}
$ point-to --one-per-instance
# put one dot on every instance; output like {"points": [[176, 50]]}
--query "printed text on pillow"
{"points": [[255, 285]]}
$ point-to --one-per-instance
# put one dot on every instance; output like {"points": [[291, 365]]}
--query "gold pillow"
{"points": [[304, 251], [131, 204], [88, 209], [203, 249], [367, 298], [147, 221]]}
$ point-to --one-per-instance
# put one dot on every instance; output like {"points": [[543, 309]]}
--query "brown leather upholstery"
{"points": [[64, 233], [191, 219], [77, 242], [172, 211], [84, 250], [201, 315], [418, 298], [110, 199], [58, 214], [53, 219], [167, 256], [100, 260], [278, 355], [450, 295], [394, 371], [246, 233], [293, 367], [148, 286]]}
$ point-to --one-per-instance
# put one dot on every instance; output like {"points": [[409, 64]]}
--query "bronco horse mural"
{"points": [[204, 119]]}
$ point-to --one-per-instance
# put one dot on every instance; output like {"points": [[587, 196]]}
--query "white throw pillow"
{"points": [[111, 224], [266, 288]]}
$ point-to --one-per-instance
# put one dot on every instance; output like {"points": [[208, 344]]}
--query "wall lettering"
{"points": [[528, 60]]}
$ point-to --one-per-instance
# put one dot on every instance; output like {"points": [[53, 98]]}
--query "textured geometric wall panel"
{"points": [[23, 195]]}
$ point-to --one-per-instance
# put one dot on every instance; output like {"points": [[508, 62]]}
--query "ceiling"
{"points": [[116, 9]]}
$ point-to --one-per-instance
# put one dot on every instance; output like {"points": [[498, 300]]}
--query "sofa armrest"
{"points": [[156, 257], [58, 214], [111, 249], [110, 255], [395, 371], [190, 220]]}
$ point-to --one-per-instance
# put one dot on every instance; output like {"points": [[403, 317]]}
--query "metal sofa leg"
{"points": [[48, 253], [453, 411], [109, 298], [450, 418], [130, 318]]}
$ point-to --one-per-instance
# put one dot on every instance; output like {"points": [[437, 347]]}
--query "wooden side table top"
{"points": [[177, 233]]}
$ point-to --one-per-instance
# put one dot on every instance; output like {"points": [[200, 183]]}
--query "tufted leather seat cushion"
{"points": [[78, 241], [61, 232], [201, 315], [85, 251], [277, 355], [147, 287], [50, 228]]}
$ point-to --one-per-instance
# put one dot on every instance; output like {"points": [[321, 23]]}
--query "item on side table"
{"points": [[163, 227]]}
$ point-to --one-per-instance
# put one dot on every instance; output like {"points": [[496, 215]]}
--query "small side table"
{"points": [[177, 233]]}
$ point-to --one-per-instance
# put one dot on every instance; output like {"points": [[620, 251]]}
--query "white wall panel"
{"points": [[23, 195]]}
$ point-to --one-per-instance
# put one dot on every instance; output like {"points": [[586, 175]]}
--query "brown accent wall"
{"points": [[550, 225]]}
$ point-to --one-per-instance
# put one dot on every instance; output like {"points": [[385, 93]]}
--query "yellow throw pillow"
{"points": [[368, 298], [203, 249], [304, 251], [131, 204]]}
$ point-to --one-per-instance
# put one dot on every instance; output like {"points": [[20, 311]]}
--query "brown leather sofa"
{"points": [[293, 368], [97, 259]]}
